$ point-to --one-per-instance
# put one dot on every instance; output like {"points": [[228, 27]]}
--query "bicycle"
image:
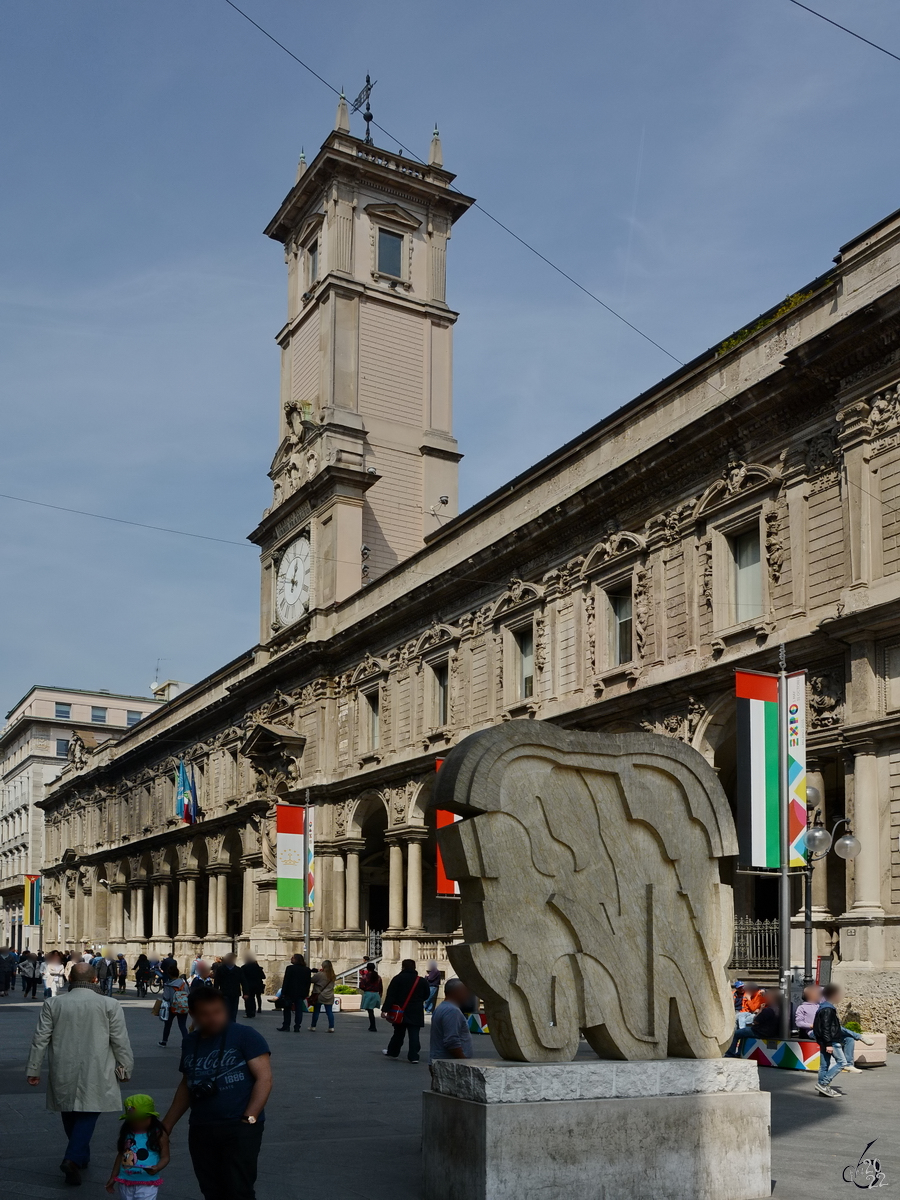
{"points": [[154, 983]]}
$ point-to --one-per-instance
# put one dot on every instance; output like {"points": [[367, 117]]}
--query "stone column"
{"points": [[212, 905], [117, 912], [820, 911], [164, 910], [395, 888], [138, 910], [222, 906], [63, 910], [866, 826], [352, 873], [182, 907], [414, 884], [339, 893], [248, 896], [189, 924]]}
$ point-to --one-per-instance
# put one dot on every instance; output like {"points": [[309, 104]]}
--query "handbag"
{"points": [[164, 1009], [156, 1008], [396, 1013]]}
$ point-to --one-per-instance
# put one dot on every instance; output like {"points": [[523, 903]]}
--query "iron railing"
{"points": [[755, 945]]}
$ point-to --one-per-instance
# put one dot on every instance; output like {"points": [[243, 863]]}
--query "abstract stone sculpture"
{"points": [[591, 900]]}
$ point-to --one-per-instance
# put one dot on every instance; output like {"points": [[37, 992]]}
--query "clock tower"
{"points": [[366, 465]]}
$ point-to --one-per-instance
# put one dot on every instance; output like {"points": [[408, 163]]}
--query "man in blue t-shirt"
{"points": [[226, 1078]]}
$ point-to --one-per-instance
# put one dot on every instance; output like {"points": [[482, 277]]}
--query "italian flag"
{"points": [[289, 852], [758, 799]]}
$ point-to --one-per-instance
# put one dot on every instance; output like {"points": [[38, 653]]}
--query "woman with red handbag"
{"points": [[404, 1007]]}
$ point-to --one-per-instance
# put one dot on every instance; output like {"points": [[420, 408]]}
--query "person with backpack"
{"points": [[175, 999], [830, 1034], [404, 1007], [372, 990]]}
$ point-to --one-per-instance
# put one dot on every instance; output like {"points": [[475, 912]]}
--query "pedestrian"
{"points": [[833, 1041], [294, 993], [227, 975], [142, 975], [226, 1078], [8, 964], [175, 1000], [806, 1011], [89, 1053], [54, 974], [169, 961], [30, 970], [122, 972], [203, 978], [142, 1152], [322, 995], [112, 967], [372, 990], [194, 966], [253, 984], [754, 998], [450, 1033], [404, 1007], [433, 979]]}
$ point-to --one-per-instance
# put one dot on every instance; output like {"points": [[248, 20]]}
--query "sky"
{"points": [[691, 164]]}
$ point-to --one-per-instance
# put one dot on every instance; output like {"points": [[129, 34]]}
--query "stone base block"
{"points": [[871, 1056], [596, 1131]]}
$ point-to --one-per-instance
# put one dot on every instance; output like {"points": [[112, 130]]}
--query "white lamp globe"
{"points": [[847, 846], [818, 840]]}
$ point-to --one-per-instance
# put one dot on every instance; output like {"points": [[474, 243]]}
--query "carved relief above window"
{"points": [[825, 697], [737, 478]]}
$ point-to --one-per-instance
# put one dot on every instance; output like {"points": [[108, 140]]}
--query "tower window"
{"points": [[747, 575], [524, 639], [390, 253], [441, 693], [373, 718], [312, 263], [621, 625]]}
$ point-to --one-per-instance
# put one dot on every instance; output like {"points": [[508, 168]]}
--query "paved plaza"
{"points": [[344, 1119]]}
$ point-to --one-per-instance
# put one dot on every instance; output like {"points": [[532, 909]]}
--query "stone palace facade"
{"points": [[750, 499]]}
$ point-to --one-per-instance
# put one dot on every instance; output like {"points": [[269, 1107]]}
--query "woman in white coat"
{"points": [[89, 1052], [53, 970]]}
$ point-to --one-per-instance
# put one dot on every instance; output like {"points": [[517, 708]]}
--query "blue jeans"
{"points": [[79, 1127], [740, 1036], [429, 1003], [831, 1063], [329, 1012]]}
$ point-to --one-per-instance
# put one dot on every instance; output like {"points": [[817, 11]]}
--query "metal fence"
{"points": [[755, 945]]}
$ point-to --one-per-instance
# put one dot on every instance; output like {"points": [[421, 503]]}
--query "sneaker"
{"points": [[413, 1061], [824, 1090], [867, 1039], [331, 1029], [284, 1029], [160, 1043], [72, 1172], [853, 1070]]}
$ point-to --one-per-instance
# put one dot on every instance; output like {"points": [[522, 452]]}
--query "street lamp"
{"points": [[818, 842]]}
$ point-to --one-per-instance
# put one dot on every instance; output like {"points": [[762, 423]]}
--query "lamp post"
{"points": [[818, 842]]}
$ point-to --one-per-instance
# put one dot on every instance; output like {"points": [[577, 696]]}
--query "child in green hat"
{"points": [[142, 1152]]}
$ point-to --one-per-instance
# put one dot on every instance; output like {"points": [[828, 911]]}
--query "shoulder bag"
{"points": [[397, 1013]]}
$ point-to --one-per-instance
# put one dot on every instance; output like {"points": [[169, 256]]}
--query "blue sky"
{"points": [[691, 163]]}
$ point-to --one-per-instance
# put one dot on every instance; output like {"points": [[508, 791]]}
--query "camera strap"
{"points": [[193, 1082]]}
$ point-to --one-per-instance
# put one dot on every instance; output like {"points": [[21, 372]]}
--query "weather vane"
{"points": [[363, 99]]}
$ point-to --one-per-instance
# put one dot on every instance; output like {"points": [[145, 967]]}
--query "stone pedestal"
{"points": [[596, 1130]]}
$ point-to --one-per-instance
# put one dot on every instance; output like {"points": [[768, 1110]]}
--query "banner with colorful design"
{"points": [[758, 800], [447, 889], [32, 905], [295, 856], [186, 807], [796, 741]]}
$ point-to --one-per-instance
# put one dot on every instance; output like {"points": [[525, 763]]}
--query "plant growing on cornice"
{"points": [[736, 339]]}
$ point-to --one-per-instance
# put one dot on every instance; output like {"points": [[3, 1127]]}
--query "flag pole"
{"points": [[784, 882], [306, 878]]}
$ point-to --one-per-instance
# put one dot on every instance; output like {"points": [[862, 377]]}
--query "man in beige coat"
{"points": [[89, 1054]]}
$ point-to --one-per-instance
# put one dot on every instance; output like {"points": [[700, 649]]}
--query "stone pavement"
{"points": [[345, 1120]]}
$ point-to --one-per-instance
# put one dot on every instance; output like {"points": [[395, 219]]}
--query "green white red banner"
{"points": [[295, 856]]}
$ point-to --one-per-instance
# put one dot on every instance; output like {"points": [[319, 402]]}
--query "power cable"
{"points": [[859, 37]]}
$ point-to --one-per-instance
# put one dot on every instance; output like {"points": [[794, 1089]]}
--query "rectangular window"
{"points": [[747, 575], [63, 712], [132, 717], [620, 628], [441, 694], [62, 747], [98, 715], [525, 654], [312, 263], [373, 705], [390, 253]]}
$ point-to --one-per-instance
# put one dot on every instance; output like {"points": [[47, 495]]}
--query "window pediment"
{"points": [[517, 595], [617, 543], [738, 479], [393, 213]]}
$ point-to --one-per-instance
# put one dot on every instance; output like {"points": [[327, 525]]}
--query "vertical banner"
{"points": [[796, 741], [32, 903], [291, 860], [310, 861], [447, 889], [759, 809]]}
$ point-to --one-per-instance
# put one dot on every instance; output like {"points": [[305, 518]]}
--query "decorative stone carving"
{"points": [[518, 592], [80, 747], [341, 817], [540, 642], [274, 752], [884, 412], [819, 453], [591, 900], [774, 545], [669, 523], [561, 580], [678, 724], [705, 572], [617, 541], [590, 620], [826, 698], [642, 610], [738, 476]]}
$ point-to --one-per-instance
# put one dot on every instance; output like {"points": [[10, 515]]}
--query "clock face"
{"points": [[292, 582]]}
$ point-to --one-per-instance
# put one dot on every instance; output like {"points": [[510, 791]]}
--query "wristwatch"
{"points": [[249, 1120]]}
